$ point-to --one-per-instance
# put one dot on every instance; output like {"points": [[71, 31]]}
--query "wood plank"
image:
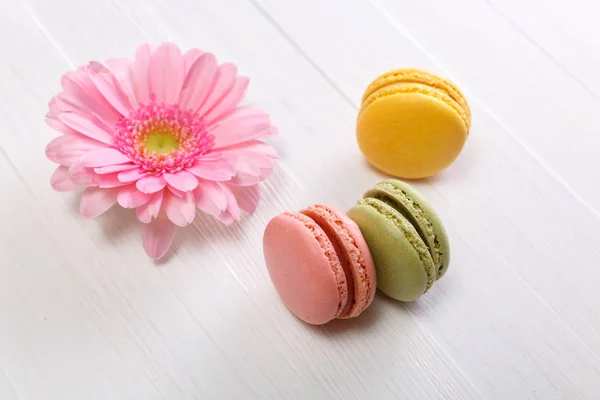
{"points": [[7, 391], [566, 32]]}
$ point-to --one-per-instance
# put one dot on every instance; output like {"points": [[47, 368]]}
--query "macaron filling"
{"points": [[388, 209], [403, 203], [350, 256], [330, 252]]}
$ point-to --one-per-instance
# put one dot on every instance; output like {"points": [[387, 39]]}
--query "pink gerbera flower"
{"points": [[163, 134]]}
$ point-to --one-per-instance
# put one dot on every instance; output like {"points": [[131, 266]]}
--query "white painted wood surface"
{"points": [[85, 315]]}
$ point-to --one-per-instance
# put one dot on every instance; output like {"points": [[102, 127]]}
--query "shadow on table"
{"points": [[400, 306], [116, 223], [372, 317], [205, 231], [423, 306], [364, 323], [384, 175]]}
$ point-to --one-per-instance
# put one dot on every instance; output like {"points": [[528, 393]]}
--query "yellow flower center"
{"points": [[162, 138], [161, 143]]}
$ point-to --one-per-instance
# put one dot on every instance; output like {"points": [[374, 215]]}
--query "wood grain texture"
{"points": [[85, 315]]}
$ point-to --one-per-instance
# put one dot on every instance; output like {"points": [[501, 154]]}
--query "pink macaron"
{"points": [[320, 264]]}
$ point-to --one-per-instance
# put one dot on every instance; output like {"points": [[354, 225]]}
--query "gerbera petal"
{"points": [[181, 180], [211, 156], [247, 196], [198, 82], [252, 161], [108, 180], [156, 203], [103, 157], [257, 147], [233, 131], [265, 173], [55, 123], [232, 212], [210, 198], [225, 218], [131, 175], [95, 201], [122, 69], [176, 192], [190, 57], [60, 180], [114, 168], [213, 170], [109, 86], [150, 210], [141, 69], [245, 116], [229, 100], [81, 95], [180, 210], [143, 214], [67, 149], [54, 106], [130, 197], [151, 183], [246, 112], [223, 82], [167, 72], [246, 179], [78, 77], [81, 175], [157, 237], [86, 126]]}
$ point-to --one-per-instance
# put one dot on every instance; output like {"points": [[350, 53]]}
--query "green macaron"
{"points": [[406, 238]]}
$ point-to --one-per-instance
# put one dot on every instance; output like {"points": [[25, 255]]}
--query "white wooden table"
{"points": [[84, 314]]}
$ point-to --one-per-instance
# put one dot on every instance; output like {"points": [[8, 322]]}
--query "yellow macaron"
{"points": [[412, 124]]}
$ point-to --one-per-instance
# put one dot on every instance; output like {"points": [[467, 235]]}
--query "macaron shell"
{"points": [[423, 77], [410, 135], [419, 212], [413, 87], [304, 268], [403, 264], [354, 254]]}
